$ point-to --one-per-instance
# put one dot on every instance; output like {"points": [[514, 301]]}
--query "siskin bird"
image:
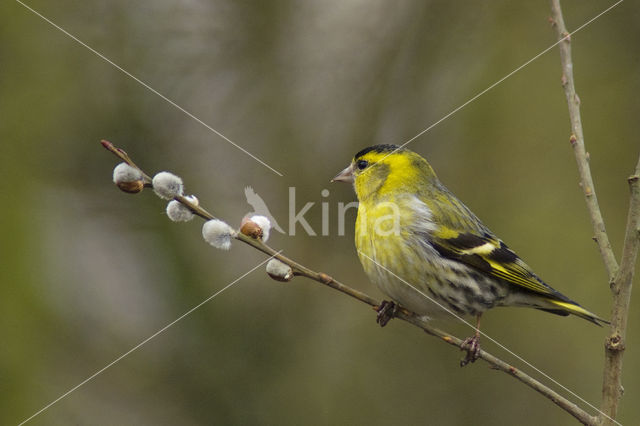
{"points": [[429, 253]]}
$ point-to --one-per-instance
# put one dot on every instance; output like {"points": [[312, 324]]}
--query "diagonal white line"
{"points": [[146, 86], [136, 347], [568, 36], [500, 345]]}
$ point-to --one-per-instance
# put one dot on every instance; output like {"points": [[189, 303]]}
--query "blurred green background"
{"points": [[88, 272]]}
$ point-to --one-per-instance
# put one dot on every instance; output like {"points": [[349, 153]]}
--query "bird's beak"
{"points": [[345, 176]]}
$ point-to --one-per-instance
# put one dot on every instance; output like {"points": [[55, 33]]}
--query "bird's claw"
{"points": [[386, 311], [472, 346]]}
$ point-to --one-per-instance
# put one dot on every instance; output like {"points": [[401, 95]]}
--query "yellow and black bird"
{"points": [[429, 253]]}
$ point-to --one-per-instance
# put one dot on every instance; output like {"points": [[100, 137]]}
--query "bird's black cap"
{"points": [[379, 149]]}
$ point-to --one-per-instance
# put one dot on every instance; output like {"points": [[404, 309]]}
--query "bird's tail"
{"points": [[560, 307]]}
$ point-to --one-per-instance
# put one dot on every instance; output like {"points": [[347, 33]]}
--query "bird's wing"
{"points": [[491, 256]]}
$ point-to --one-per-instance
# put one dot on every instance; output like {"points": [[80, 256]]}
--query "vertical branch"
{"points": [[577, 142], [621, 290], [620, 277]]}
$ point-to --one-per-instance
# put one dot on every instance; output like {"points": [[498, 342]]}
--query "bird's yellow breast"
{"points": [[383, 230]]}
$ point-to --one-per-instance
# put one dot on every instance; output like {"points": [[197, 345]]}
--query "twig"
{"points": [[620, 277], [577, 142], [410, 317]]}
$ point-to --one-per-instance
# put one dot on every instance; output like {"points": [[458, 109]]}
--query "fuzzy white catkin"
{"points": [[279, 271], [178, 212], [167, 185], [264, 224], [125, 173], [218, 234]]}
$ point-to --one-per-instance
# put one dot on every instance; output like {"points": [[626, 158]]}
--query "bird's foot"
{"points": [[472, 346], [386, 311]]}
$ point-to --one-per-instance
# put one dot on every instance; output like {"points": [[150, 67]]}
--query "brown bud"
{"points": [[132, 187], [251, 229], [325, 278]]}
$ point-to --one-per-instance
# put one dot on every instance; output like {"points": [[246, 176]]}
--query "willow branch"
{"points": [[410, 317], [620, 277]]}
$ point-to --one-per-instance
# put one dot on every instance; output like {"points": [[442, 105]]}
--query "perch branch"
{"points": [[403, 314]]}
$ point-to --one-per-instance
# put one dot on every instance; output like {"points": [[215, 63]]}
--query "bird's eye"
{"points": [[362, 164]]}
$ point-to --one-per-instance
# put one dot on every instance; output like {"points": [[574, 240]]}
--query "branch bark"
{"points": [[577, 142], [620, 276], [615, 344], [403, 314]]}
